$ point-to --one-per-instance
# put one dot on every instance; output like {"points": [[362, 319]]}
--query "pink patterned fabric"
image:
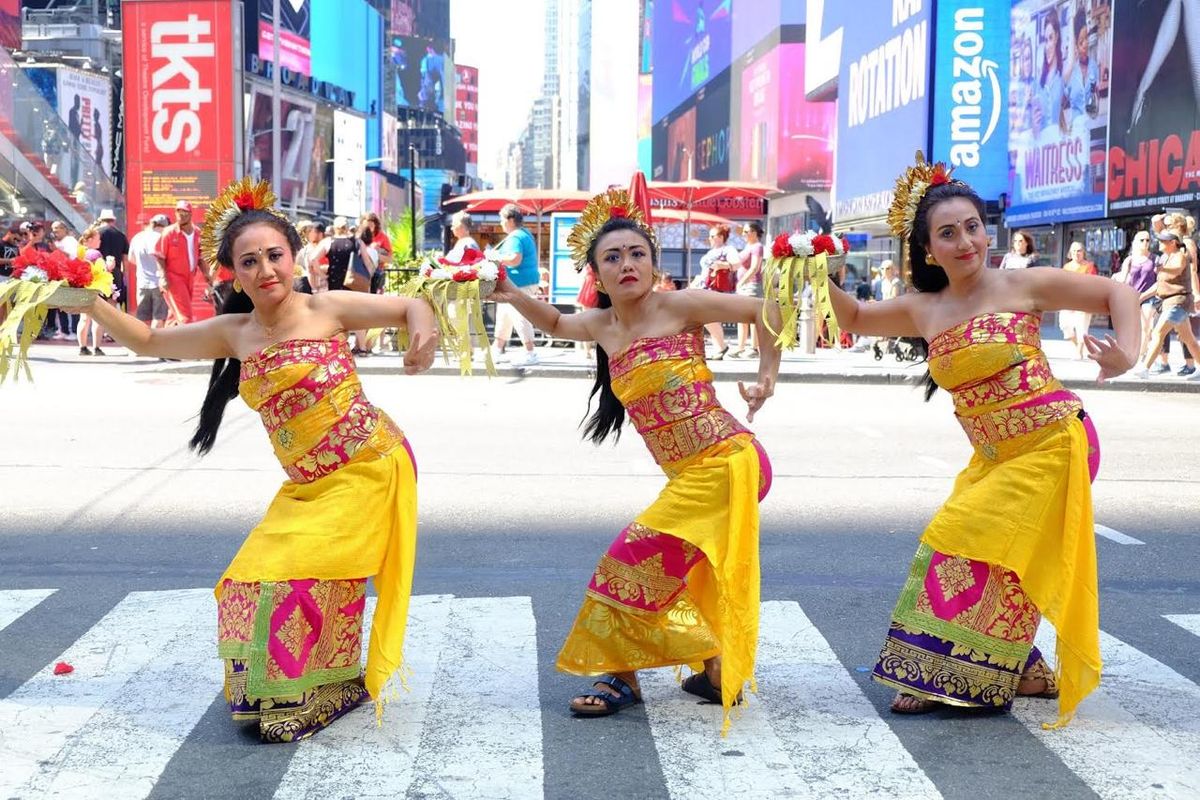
{"points": [[681, 346]]}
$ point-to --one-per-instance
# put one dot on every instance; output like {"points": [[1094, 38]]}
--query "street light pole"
{"points": [[412, 196], [276, 111]]}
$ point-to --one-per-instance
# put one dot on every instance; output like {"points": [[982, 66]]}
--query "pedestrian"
{"points": [[717, 275], [300, 281], [891, 285], [114, 246], [364, 268], [1073, 323], [1177, 286], [460, 228], [381, 244], [518, 253], [179, 253], [59, 324], [680, 584], [1020, 254], [665, 283], [63, 240], [348, 509], [10, 246], [151, 305], [313, 258], [749, 284], [339, 249], [1184, 226], [87, 327], [1015, 539], [1138, 272]]}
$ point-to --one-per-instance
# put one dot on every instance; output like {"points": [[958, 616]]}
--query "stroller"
{"points": [[905, 348]]}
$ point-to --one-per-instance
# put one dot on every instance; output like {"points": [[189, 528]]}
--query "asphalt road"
{"points": [[104, 506]]}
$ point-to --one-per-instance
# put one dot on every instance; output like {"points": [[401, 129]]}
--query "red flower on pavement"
{"points": [[63, 668], [780, 248]]}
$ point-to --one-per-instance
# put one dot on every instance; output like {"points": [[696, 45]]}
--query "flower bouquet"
{"points": [[796, 259], [456, 289], [41, 281]]}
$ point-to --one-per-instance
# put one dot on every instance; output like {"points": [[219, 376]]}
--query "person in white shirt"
{"points": [[717, 271], [151, 306], [63, 240], [460, 226]]}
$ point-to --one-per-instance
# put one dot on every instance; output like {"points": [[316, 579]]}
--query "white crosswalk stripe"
{"points": [[470, 724], [1137, 736], [14, 603], [810, 732], [143, 677]]}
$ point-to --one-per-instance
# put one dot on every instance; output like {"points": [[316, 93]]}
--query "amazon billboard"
{"points": [[970, 92]]}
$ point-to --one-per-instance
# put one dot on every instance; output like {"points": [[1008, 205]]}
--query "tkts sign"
{"points": [[179, 104]]}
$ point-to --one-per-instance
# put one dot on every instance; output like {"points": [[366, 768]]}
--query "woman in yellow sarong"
{"points": [[290, 606], [680, 584], [1014, 542]]}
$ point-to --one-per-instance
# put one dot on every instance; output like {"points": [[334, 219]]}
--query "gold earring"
{"points": [[600, 287], [929, 260], [237, 285]]}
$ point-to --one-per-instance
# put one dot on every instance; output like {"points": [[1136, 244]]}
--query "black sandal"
{"points": [[699, 685], [609, 704]]}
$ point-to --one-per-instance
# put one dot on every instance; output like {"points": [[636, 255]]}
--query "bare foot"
{"points": [[908, 704]]}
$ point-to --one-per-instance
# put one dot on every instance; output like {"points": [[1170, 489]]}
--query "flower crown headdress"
{"points": [[911, 187], [239, 196], [599, 210]]}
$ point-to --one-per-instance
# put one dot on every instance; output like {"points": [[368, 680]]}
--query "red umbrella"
{"points": [[687, 194], [639, 195]]}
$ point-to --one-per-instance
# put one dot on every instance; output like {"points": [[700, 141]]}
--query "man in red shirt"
{"points": [[178, 251]]}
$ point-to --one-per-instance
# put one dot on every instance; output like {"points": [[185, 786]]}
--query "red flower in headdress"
{"points": [[244, 200], [780, 247], [618, 212], [940, 176]]}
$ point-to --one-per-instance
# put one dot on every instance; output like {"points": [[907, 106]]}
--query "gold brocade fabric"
{"points": [[349, 510], [1024, 501], [681, 584]]}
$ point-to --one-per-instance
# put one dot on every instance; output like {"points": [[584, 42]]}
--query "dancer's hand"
{"points": [[504, 292], [420, 353], [756, 395], [1108, 354]]}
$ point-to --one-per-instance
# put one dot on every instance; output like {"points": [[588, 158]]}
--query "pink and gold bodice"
{"points": [[313, 407], [667, 390], [994, 367]]}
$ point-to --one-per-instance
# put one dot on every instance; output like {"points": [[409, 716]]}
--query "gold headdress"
{"points": [[911, 186], [600, 209], [241, 195]]}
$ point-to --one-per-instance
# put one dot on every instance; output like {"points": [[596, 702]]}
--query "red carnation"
{"points": [[780, 248], [470, 256], [28, 257], [244, 200], [939, 176], [501, 273], [823, 244], [618, 212], [845, 244], [63, 668], [464, 275], [77, 272]]}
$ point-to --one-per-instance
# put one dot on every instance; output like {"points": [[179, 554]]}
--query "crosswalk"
{"points": [[471, 724]]}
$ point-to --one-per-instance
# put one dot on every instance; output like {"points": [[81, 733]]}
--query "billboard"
{"points": [[305, 144], [349, 164], [10, 24], [1154, 156], [424, 73], [295, 26], [883, 105], [712, 131], [85, 104], [358, 65], [807, 131], [179, 103], [466, 112], [691, 46], [970, 92], [1058, 115]]}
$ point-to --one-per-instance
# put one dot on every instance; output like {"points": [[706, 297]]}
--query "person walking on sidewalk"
{"points": [[87, 325], [1075, 324], [1177, 288], [151, 305], [1015, 540], [1138, 272], [680, 584], [518, 253], [750, 284], [348, 509], [114, 246], [717, 275]]}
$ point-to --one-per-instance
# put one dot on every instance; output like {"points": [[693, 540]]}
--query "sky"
{"points": [[505, 41]]}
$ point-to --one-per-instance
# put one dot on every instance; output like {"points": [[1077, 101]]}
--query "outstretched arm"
{"points": [[359, 311], [211, 338], [1058, 290], [545, 317], [891, 318]]}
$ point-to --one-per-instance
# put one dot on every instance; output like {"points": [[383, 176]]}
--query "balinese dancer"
{"points": [[680, 584], [1014, 542], [290, 606]]}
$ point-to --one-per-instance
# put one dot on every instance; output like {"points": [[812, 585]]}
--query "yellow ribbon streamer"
{"points": [[25, 305], [785, 279], [458, 308]]}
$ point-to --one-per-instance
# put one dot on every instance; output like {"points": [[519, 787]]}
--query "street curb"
{"points": [[866, 378]]}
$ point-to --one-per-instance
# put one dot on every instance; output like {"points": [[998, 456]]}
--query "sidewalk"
{"points": [[824, 366]]}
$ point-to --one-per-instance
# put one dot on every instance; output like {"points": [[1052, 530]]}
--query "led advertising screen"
{"points": [[753, 21], [10, 24], [1154, 155], [302, 149], [970, 92], [882, 107], [295, 27], [758, 119], [691, 46], [358, 65], [1058, 112], [466, 112], [712, 130], [807, 130], [424, 73]]}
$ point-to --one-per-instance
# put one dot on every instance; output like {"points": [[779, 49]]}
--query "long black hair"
{"points": [[223, 382], [926, 277], [609, 415]]}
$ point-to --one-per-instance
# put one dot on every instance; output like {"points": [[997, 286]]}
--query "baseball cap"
{"points": [[107, 214], [160, 219], [1167, 236], [183, 205]]}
